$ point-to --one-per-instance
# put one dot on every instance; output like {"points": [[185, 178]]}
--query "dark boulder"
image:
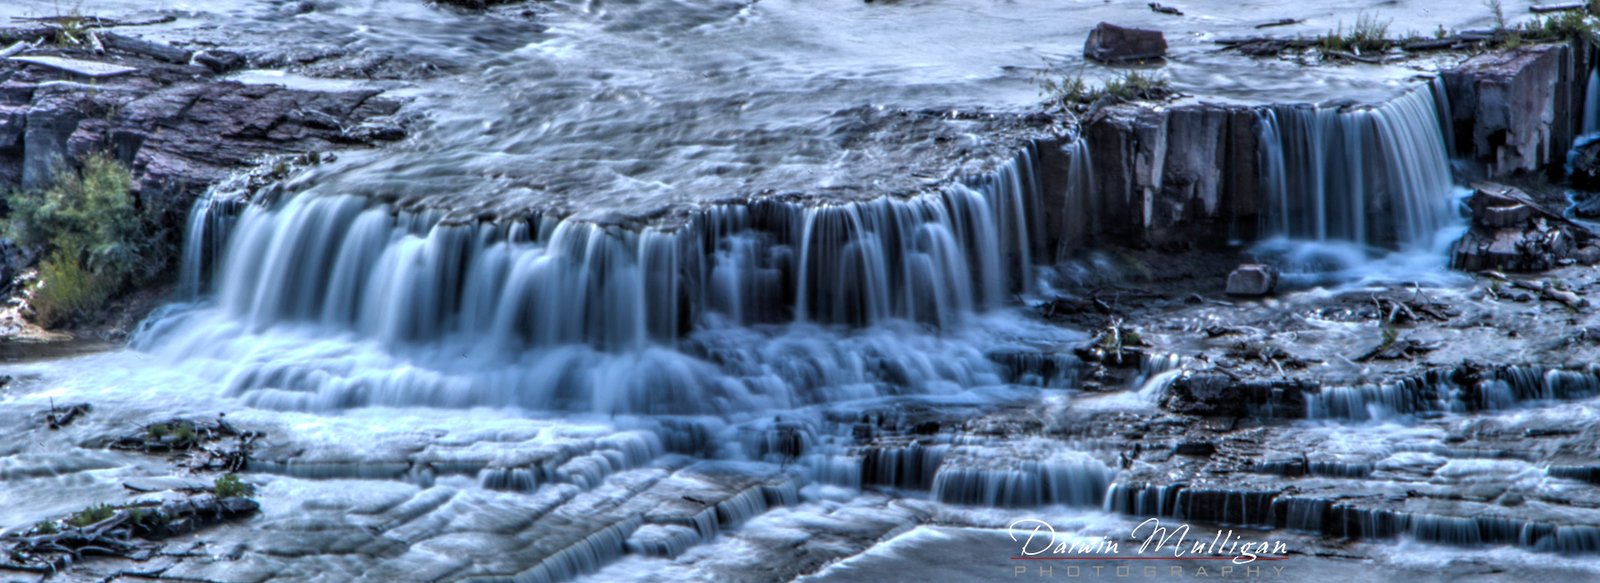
{"points": [[1110, 43]]}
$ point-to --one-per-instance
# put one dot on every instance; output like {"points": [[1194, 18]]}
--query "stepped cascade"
{"points": [[1376, 176], [759, 292]]}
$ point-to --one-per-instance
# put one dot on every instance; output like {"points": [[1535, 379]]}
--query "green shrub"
{"points": [[45, 527], [94, 238], [1552, 27], [66, 290], [230, 486]]}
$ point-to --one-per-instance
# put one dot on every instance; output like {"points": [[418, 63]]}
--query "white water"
{"points": [[331, 302], [1591, 104], [1360, 194]]}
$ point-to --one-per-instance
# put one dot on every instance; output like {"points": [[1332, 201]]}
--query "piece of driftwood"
{"points": [[1546, 291], [1354, 57], [63, 416], [15, 49], [1280, 22], [1430, 45], [76, 66]]}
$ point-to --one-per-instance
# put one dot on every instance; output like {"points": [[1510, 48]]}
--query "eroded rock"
{"points": [[1511, 232]]}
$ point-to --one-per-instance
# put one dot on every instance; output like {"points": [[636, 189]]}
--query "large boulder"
{"points": [[1252, 280], [1511, 232], [1110, 43]]}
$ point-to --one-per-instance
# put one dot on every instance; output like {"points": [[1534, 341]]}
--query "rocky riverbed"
{"points": [[634, 292]]}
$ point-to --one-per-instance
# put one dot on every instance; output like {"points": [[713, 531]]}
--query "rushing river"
{"points": [[719, 291]]}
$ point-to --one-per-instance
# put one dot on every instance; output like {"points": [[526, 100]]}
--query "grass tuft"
{"points": [[91, 515], [1072, 91], [230, 486]]}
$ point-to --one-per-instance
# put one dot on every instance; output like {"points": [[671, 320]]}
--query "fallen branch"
{"points": [[15, 49], [1546, 291], [64, 416], [1280, 22]]}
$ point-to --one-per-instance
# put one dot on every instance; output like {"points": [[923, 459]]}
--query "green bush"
{"points": [[94, 238], [230, 486]]}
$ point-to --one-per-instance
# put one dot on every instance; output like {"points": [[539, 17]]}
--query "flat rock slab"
{"points": [[78, 67]]}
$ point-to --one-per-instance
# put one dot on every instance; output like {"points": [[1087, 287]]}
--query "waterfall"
{"points": [[602, 317], [1377, 176], [1591, 104]]}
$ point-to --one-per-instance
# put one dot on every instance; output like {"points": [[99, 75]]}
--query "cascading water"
{"points": [[1375, 176], [1591, 104], [553, 314], [1356, 193]]}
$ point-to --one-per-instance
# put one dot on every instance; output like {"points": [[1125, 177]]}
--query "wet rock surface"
{"points": [[1179, 404]]}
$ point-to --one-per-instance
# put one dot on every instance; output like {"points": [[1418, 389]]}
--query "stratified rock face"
{"points": [[1510, 232], [1115, 44], [1252, 280], [174, 125], [1183, 177], [1513, 107]]}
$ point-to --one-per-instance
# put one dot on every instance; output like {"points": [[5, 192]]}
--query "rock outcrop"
{"points": [[1185, 177], [176, 125], [1110, 43], [1516, 111], [1511, 232]]}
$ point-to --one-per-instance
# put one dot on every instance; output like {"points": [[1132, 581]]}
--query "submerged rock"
{"points": [[1511, 232], [1115, 44], [1253, 279]]}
